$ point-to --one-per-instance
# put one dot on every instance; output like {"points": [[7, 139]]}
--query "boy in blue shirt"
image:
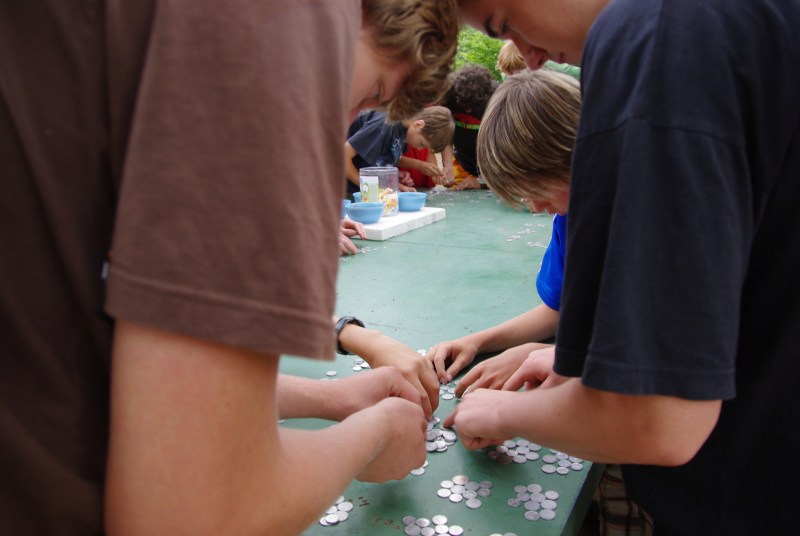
{"points": [[532, 168], [372, 141]]}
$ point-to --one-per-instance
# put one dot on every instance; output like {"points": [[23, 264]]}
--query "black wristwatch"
{"points": [[340, 324]]}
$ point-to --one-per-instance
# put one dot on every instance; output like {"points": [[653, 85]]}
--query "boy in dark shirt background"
{"points": [[371, 141]]}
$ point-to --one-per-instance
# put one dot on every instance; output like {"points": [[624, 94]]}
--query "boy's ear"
{"points": [[419, 123]]}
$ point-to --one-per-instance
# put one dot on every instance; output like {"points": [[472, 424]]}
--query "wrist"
{"points": [[339, 327]]}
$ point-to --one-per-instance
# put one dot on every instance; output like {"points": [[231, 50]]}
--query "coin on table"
{"points": [[551, 494], [548, 515], [460, 479], [446, 484], [456, 530], [473, 503], [549, 469], [455, 497], [443, 493], [409, 520], [439, 519], [548, 504], [427, 531], [534, 488], [562, 470], [412, 530], [345, 506], [532, 515]]}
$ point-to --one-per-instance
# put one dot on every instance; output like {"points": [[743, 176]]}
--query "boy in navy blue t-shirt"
{"points": [[372, 141]]}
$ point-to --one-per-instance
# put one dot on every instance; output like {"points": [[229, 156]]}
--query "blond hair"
{"points": [[509, 60], [527, 134], [423, 33], [439, 127]]}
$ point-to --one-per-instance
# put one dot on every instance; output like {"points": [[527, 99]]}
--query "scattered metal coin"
{"points": [[548, 515], [547, 504], [473, 503], [532, 515], [460, 479], [532, 505], [412, 530], [549, 469]]}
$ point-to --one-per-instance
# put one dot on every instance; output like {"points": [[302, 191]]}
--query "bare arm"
{"points": [[195, 447], [597, 425], [305, 397], [535, 325], [380, 350]]}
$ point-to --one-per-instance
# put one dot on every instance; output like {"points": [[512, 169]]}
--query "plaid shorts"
{"points": [[617, 514]]}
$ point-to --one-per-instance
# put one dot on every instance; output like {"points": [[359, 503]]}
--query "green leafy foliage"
{"points": [[475, 47]]}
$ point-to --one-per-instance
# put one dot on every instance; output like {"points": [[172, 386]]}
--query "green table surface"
{"points": [[474, 269]]}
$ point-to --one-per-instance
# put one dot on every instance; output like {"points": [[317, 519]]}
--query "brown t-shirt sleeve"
{"points": [[228, 214]]}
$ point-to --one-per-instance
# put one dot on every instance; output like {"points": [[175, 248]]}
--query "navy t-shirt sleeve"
{"points": [[550, 279]]}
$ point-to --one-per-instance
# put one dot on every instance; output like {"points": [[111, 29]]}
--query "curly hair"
{"points": [[423, 33], [471, 87]]}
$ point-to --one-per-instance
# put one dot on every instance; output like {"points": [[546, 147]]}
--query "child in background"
{"points": [[510, 61], [372, 141], [525, 151], [470, 90]]}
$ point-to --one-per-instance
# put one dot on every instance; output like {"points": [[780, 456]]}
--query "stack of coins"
{"points": [[461, 488]]}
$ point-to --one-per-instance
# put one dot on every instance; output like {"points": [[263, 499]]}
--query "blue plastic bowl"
{"points": [[345, 202], [365, 212], [357, 197], [411, 201]]}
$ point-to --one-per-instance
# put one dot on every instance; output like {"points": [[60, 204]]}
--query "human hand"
{"points": [[346, 246], [404, 177], [403, 188], [403, 427], [352, 228], [469, 183], [477, 417], [494, 372], [415, 368], [536, 371], [460, 352], [429, 168], [365, 389]]}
